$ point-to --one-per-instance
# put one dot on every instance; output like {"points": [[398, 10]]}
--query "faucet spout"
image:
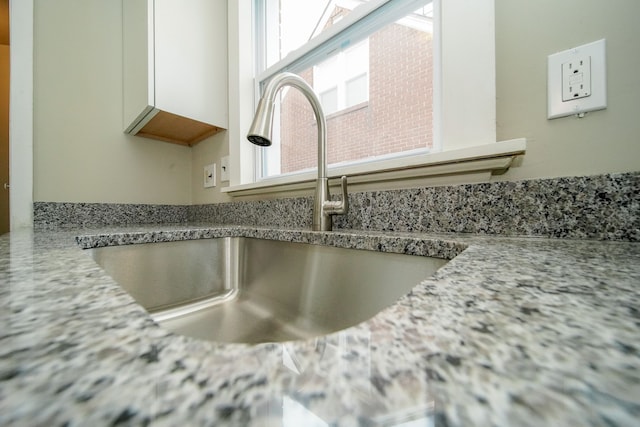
{"points": [[260, 134]]}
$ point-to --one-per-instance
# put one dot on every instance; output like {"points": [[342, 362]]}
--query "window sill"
{"points": [[470, 164]]}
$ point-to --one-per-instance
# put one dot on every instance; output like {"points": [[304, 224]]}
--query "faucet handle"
{"points": [[338, 207], [345, 196]]}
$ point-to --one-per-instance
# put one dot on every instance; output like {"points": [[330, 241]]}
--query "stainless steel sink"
{"points": [[247, 290]]}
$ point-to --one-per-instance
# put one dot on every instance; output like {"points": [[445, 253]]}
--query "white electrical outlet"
{"points": [[577, 80], [210, 175], [224, 169]]}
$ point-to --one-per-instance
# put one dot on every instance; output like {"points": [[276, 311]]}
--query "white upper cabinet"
{"points": [[175, 69]]}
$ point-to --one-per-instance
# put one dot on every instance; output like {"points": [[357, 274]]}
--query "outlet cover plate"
{"points": [[210, 175], [224, 169], [565, 99]]}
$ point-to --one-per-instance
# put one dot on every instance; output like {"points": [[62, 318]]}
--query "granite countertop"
{"points": [[512, 331]]}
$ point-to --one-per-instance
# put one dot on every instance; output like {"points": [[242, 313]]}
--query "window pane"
{"points": [[326, 74], [356, 91], [378, 94], [356, 59], [295, 22], [345, 76], [329, 101]]}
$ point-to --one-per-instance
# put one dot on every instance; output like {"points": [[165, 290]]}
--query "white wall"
{"points": [[80, 151], [604, 141]]}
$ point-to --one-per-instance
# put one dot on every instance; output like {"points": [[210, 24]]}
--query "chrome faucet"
{"points": [[260, 134]]}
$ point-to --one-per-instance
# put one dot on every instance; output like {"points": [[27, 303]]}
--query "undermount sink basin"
{"points": [[247, 290]]}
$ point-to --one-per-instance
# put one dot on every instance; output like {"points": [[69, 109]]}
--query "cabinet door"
{"points": [[190, 53], [138, 83]]}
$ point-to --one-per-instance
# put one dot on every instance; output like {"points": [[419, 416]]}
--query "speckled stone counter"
{"points": [[512, 331], [603, 207]]}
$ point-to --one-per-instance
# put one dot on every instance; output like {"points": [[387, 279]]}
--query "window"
{"points": [[342, 81], [374, 78], [463, 121]]}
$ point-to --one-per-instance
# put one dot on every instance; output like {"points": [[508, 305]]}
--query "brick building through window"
{"points": [[396, 115]]}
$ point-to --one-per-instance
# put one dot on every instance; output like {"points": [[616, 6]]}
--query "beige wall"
{"points": [[209, 151], [603, 141], [81, 154], [80, 151], [526, 33]]}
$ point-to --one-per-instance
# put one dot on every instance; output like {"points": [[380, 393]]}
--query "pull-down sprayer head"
{"points": [[260, 130]]}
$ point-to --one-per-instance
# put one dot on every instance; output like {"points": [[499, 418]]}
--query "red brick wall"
{"points": [[397, 117]]}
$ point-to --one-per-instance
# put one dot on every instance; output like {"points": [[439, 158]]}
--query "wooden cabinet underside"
{"points": [[176, 129]]}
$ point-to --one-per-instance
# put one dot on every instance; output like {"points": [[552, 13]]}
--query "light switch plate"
{"points": [[576, 80], [210, 175], [224, 169]]}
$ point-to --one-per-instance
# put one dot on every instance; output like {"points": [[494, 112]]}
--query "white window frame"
{"points": [[464, 104]]}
